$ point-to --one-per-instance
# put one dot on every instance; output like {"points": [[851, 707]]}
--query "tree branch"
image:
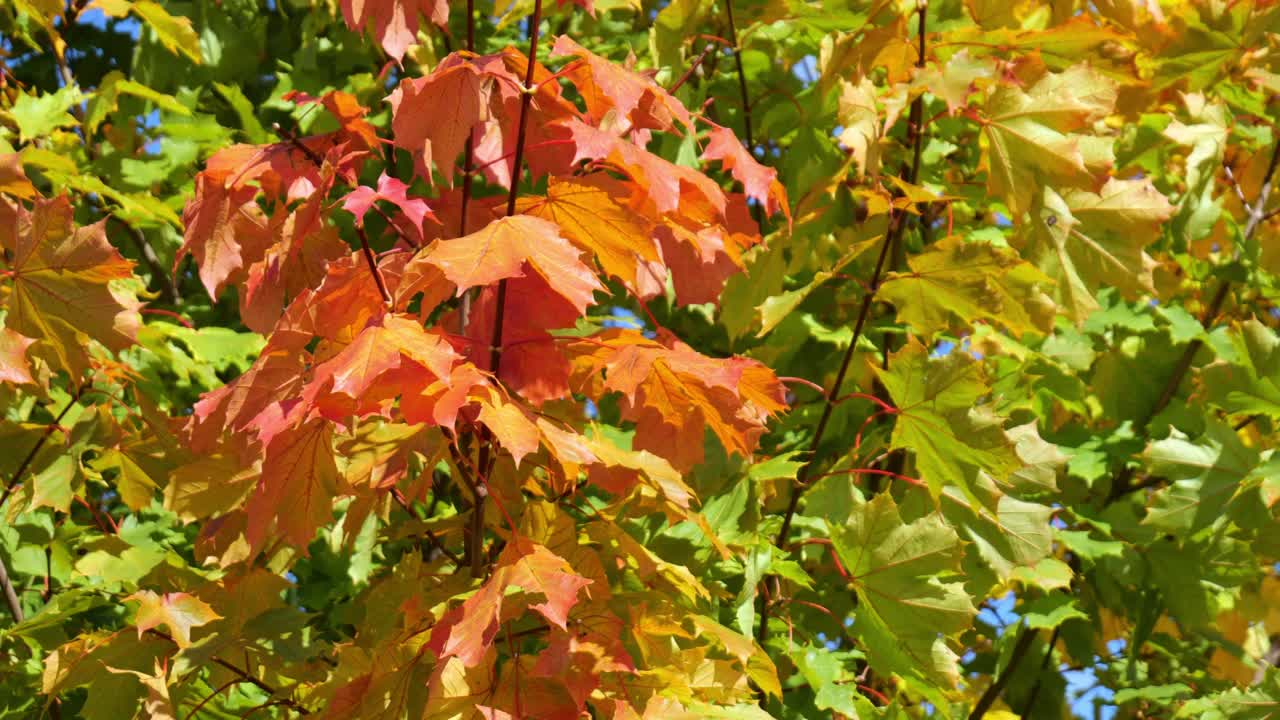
{"points": [[464, 309], [373, 265], [245, 676], [989, 696], [1121, 486], [742, 78], [26, 461], [893, 236], [168, 291], [1044, 664], [10, 594]]}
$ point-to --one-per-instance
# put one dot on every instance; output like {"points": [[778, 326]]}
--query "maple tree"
{"points": [[690, 359]]}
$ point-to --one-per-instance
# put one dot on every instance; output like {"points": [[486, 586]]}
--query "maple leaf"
{"points": [[303, 247], [938, 419], [1249, 384], [180, 611], [863, 131], [511, 424], [1030, 134], [225, 228], [13, 178], [904, 610], [636, 100], [392, 351], [336, 310], [63, 284], [358, 201], [546, 138], [593, 212], [970, 282], [433, 136], [502, 249], [537, 570], [395, 22], [533, 363], [296, 489], [674, 393], [761, 182], [1203, 476], [1085, 241], [13, 357], [701, 253], [668, 185], [225, 231], [467, 631]]}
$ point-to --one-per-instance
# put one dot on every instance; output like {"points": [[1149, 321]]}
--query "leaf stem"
{"points": [[692, 68]]}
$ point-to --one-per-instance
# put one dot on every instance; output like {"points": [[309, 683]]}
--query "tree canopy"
{"points": [[400, 359]]}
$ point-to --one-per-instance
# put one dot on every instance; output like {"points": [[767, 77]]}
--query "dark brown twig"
{"points": [[373, 265], [26, 461], [742, 77], [1044, 664], [168, 291], [988, 698], [692, 68], [10, 594], [893, 236], [244, 676], [464, 309]]}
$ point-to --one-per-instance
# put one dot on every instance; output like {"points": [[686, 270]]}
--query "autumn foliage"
{"points": [[388, 359]]}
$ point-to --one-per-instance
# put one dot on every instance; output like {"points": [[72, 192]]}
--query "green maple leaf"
{"points": [[1250, 384], [1031, 135], [1086, 241], [38, 115], [1204, 475], [1260, 702], [1008, 539], [905, 609], [954, 280], [940, 419]]}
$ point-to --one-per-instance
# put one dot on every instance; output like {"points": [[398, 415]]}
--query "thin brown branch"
{"points": [[26, 461], [168, 291], [487, 454], [373, 265], [244, 676], [693, 67], [742, 77], [10, 594], [473, 549], [1120, 486], [893, 236], [989, 696], [464, 309], [517, 170], [1044, 665]]}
